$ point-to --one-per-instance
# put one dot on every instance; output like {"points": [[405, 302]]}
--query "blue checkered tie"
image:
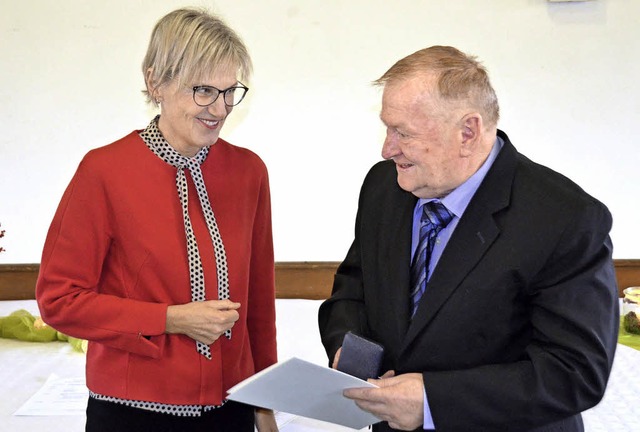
{"points": [[435, 217]]}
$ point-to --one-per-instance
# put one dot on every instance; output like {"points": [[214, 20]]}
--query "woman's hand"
{"points": [[265, 420], [202, 321]]}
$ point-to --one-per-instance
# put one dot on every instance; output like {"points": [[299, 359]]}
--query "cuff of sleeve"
{"points": [[428, 418], [153, 319]]}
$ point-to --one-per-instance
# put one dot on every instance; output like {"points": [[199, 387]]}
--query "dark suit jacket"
{"points": [[518, 326]]}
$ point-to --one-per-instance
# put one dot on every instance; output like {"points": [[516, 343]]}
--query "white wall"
{"points": [[566, 76]]}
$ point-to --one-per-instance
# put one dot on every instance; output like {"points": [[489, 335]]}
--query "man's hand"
{"points": [[202, 321], [336, 359], [398, 400]]}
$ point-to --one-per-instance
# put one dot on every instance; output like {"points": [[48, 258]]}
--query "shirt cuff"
{"points": [[428, 419]]}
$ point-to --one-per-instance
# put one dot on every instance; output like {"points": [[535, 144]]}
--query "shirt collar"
{"points": [[458, 200], [156, 142]]}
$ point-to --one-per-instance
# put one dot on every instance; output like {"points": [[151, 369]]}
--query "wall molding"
{"points": [[18, 281], [294, 279], [298, 279]]}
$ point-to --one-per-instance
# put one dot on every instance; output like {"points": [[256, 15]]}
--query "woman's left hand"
{"points": [[265, 420]]}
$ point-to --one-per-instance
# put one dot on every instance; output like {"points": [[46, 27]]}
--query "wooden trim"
{"points": [[294, 279], [18, 281], [627, 273], [308, 280]]}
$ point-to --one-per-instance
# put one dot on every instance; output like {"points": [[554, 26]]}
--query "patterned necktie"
{"points": [[158, 145], [435, 217]]}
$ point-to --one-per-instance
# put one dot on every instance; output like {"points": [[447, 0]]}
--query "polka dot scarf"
{"points": [[159, 146]]}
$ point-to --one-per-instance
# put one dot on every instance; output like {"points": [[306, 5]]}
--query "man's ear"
{"points": [[471, 133]]}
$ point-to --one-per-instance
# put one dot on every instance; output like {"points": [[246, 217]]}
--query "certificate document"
{"points": [[302, 388]]}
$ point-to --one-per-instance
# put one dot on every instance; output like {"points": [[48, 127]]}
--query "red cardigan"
{"points": [[115, 258]]}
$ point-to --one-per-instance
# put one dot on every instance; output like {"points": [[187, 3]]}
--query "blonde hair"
{"points": [[460, 78], [188, 43]]}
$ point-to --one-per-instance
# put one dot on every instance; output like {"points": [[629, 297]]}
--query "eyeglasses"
{"points": [[206, 95]]}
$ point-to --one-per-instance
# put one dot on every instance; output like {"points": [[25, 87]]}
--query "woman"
{"points": [[161, 254]]}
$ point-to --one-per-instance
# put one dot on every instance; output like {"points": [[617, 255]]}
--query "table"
{"points": [[26, 366]]}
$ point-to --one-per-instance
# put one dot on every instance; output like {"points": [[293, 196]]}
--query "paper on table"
{"points": [[298, 387], [58, 396]]}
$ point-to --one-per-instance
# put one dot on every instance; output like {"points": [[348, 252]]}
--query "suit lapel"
{"points": [[395, 260], [473, 236]]}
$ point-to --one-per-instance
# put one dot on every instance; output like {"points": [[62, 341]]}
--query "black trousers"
{"points": [[103, 416]]}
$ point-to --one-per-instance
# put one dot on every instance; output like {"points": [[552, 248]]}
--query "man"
{"points": [[517, 326]]}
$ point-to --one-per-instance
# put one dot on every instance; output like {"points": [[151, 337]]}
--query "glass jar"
{"points": [[631, 300]]}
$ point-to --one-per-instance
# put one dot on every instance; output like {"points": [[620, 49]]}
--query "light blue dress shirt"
{"points": [[456, 202]]}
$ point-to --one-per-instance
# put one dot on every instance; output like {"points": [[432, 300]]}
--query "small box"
{"points": [[360, 357]]}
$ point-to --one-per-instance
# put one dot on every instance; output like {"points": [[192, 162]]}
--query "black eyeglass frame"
{"points": [[221, 92]]}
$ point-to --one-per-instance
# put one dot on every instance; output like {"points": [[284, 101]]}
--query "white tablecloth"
{"points": [[25, 366]]}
